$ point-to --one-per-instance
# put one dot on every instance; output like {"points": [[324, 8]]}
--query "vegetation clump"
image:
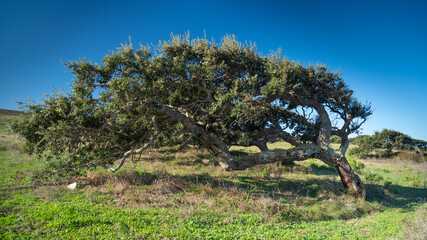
{"points": [[388, 144]]}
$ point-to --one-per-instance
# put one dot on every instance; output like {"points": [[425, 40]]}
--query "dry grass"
{"points": [[416, 228], [10, 112], [411, 156], [188, 189], [9, 143]]}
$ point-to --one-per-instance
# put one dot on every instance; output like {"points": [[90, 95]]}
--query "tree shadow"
{"points": [[324, 171], [278, 188], [395, 196]]}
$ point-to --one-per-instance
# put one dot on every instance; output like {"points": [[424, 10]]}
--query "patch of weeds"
{"points": [[415, 180], [372, 177], [387, 184], [330, 209], [408, 167], [355, 165], [266, 172]]}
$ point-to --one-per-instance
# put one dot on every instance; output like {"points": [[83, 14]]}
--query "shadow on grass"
{"points": [[395, 196], [323, 170], [279, 188]]}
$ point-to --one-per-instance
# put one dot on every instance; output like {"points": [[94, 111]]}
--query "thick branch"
{"points": [[277, 155], [325, 127], [209, 139]]}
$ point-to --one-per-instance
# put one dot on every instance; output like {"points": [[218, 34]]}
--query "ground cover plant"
{"points": [[167, 193]]}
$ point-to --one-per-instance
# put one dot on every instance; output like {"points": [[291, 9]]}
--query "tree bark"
{"points": [[262, 145], [325, 127], [350, 180]]}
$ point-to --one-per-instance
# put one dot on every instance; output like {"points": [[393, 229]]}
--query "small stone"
{"points": [[72, 185]]}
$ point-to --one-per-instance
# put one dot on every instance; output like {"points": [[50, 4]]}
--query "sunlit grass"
{"points": [[182, 195]]}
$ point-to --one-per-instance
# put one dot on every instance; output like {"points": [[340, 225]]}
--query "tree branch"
{"points": [[133, 151]]}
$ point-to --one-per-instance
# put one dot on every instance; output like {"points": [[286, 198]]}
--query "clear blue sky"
{"points": [[379, 46]]}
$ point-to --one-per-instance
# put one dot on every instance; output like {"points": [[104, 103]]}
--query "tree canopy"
{"points": [[184, 91], [381, 144]]}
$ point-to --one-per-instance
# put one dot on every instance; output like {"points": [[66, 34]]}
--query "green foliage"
{"points": [[266, 172], [30, 217], [335, 139], [183, 88], [416, 180], [387, 184], [382, 144], [372, 177], [355, 165]]}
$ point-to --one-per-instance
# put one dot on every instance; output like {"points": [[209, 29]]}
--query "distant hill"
{"points": [[10, 112]]}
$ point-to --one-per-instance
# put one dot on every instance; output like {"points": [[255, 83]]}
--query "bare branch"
{"points": [[133, 151], [188, 140]]}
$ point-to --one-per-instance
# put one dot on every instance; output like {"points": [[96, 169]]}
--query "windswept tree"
{"points": [[199, 92], [382, 144]]}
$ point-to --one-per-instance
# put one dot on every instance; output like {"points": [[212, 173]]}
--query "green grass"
{"points": [[175, 195], [78, 218]]}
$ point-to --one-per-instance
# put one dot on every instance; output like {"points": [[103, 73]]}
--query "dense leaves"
{"points": [[382, 144]]}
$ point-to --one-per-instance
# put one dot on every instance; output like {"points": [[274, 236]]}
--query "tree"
{"points": [[381, 144], [196, 91]]}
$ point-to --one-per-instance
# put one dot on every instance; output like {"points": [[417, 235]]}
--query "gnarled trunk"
{"points": [[262, 145], [350, 180]]}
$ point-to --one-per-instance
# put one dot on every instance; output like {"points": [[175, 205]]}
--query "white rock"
{"points": [[72, 185]]}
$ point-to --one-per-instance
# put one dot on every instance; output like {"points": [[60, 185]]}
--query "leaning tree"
{"points": [[196, 91]]}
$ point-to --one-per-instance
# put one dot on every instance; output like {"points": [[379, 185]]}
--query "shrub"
{"points": [[335, 139], [373, 177], [355, 165], [387, 184]]}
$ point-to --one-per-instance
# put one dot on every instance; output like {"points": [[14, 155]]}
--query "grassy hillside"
{"points": [[168, 194]]}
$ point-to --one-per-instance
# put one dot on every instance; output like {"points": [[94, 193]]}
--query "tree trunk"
{"points": [[350, 180], [262, 145], [419, 152]]}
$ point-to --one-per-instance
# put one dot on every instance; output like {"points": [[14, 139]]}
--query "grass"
{"points": [[177, 195]]}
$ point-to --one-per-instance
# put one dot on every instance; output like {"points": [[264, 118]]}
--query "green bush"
{"points": [[335, 139], [372, 177], [381, 145], [355, 165]]}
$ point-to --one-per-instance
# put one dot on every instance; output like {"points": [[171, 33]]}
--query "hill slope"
{"points": [[10, 112]]}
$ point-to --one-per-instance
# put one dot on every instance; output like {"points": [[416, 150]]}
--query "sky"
{"points": [[380, 47]]}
